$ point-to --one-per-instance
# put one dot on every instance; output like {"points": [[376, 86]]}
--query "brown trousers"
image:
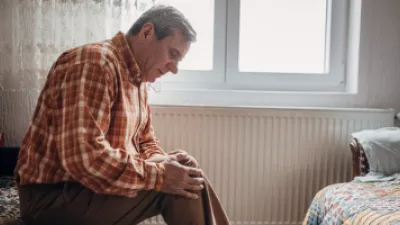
{"points": [[70, 203]]}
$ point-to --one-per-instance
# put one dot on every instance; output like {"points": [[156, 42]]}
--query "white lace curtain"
{"points": [[39, 30], [34, 32]]}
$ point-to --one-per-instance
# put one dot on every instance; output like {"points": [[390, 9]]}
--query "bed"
{"points": [[9, 200], [357, 202]]}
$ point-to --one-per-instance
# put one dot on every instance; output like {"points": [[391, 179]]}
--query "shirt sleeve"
{"points": [[148, 143], [87, 93]]}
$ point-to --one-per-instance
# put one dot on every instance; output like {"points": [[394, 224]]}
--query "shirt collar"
{"points": [[121, 42]]}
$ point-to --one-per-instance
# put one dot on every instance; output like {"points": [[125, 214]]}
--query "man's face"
{"points": [[160, 56]]}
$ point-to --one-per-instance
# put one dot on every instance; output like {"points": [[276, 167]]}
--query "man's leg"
{"points": [[71, 203], [206, 210]]}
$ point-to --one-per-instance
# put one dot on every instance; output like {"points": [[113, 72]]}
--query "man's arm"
{"points": [[85, 153], [150, 150]]}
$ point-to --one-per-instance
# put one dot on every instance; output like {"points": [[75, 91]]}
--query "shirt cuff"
{"points": [[155, 173], [156, 153], [148, 153]]}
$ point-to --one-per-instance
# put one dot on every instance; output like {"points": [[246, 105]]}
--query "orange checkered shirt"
{"points": [[92, 124]]}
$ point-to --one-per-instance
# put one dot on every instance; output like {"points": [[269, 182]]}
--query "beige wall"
{"points": [[379, 67]]}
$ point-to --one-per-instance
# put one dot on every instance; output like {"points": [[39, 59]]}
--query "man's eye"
{"points": [[174, 54]]}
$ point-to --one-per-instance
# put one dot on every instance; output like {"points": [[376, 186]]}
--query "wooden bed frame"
{"points": [[360, 162], [8, 160]]}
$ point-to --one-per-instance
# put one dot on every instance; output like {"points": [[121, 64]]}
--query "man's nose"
{"points": [[173, 68]]}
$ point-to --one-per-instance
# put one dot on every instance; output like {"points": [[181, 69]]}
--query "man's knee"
{"points": [[182, 210]]}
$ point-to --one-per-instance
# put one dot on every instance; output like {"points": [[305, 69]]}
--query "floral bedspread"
{"points": [[9, 202], [356, 203]]}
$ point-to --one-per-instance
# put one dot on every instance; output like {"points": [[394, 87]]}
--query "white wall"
{"points": [[379, 69], [379, 55]]}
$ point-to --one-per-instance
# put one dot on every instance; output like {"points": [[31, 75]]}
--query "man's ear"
{"points": [[147, 31]]}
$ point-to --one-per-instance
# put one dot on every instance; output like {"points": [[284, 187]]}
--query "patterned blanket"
{"points": [[9, 202], [356, 203]]}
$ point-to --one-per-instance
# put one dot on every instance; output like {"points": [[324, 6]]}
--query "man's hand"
{"points": [[180, 179], [185, 158]]}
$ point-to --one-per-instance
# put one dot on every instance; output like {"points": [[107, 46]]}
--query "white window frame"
{"points": [[331, 80], [225, 74]]}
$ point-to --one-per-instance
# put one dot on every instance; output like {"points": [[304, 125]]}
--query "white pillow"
{"points": [[382, 149]]}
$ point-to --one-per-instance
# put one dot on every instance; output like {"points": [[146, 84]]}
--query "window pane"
{"points": [[201, 15], [283, 36]]}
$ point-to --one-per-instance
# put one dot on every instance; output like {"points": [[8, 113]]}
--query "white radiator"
{"points": [[266, 164]]}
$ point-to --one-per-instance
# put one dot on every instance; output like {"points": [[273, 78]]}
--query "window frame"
{"points": [[225, 74], [334, 80]]}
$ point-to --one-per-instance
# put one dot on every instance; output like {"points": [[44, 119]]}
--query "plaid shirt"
{"points": [[92, 124]]}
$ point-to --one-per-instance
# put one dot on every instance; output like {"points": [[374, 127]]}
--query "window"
{"points": [[282, 36], [268, 45]]}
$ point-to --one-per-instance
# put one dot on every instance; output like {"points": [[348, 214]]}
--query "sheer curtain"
{"points": [[32, 35]]}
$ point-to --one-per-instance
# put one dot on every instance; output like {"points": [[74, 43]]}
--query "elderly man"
{"points": [[90, 155]]}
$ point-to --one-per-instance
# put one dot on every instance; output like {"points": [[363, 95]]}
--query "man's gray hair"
{"points": [[166, 21]]}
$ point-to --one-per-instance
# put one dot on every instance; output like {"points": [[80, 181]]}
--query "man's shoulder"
{"points": [[100, 53]]}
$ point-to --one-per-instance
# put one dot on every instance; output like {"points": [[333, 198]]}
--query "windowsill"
{"points": [[253, 99]]}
